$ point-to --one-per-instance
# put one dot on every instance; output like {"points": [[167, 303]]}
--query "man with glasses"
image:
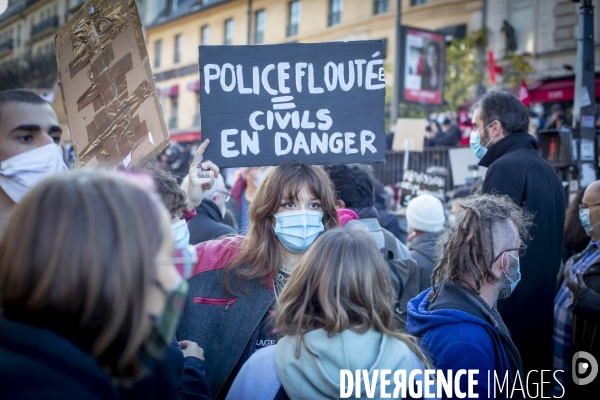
{"points": [[577, 303], [500, 139], [457, 319], [208, 223]]}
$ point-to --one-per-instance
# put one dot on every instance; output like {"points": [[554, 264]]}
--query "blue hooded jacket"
{"points": [[459, 332]]}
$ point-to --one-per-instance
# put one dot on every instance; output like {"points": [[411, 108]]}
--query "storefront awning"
{"points": [[558, 90], [172, 91], [184, 137], [194, 86]]}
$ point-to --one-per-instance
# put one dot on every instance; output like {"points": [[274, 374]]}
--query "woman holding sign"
{"points": [[237, 280]]}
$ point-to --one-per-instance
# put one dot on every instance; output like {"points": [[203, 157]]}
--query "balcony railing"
{"points": [[45, 25], [292, 30], [334, 18], [6, 45]]}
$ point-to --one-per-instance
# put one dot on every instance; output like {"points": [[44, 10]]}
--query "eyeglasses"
{"points": [[227, 195], [583, 206], [521, 250], [184, 260]]}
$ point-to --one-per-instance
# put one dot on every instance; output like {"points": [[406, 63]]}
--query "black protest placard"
{"points": [[320, 103], [416, 183]]}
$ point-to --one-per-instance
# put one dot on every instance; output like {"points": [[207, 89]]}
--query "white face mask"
{"points": [[181, 234], [22, 172]]}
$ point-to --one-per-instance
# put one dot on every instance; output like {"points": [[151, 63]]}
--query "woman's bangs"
{"points": [[300, 180]]}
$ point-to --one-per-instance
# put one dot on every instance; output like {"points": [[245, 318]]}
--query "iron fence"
{"points": [[391, 171]]}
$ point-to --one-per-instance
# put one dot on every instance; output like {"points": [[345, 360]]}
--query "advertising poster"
{"points": [[424, 66]]}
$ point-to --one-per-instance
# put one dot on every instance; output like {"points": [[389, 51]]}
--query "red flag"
{"points": [[492, 66], [524, 93]]}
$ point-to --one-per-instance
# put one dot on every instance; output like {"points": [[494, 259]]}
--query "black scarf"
{"points": [[365, 212]]}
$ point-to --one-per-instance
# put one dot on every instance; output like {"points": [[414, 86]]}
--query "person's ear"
{"points": [[505, 263], [214, 197], [496, 129], [340, 204]]}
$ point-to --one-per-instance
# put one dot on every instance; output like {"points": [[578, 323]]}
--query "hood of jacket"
{"points": [[52, 366], [210, 209], [452, 306], [310, 377], [424, 241], [510, 143]]}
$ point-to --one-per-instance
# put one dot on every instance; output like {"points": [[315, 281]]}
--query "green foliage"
{"points": [[515, 70], [463, 68], [466, 67]]}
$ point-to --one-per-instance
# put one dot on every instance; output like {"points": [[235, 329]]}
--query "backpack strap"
{"points": [[400, 283], [390, 244]]}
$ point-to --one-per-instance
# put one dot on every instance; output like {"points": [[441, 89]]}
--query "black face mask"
{"points": [[164, 326]]}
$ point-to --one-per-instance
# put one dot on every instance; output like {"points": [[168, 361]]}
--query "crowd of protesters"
{"points": [[181, 281]]}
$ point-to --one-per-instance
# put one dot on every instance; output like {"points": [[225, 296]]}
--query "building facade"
{"points": [[173, 38], [545, 33], [27, 49]]}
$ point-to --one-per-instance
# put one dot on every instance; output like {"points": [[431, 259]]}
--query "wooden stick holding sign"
{"points": [[319, 103]]}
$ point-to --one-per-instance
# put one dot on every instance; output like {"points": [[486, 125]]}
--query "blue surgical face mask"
{"points": [[181, 234], [478, 149], [584, 217], [515, 281], [258, 178], [297, 230]]}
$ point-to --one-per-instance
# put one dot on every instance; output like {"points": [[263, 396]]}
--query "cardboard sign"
{"points": [[462, 166], [416, 183], [319, 103], [107, 88], [410, 134]]}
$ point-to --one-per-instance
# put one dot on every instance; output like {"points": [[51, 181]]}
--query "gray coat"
{"points": [[222, 324], [422, 249]]}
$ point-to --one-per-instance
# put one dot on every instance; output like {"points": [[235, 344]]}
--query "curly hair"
{"points": [[171, 194], [485, 225]]}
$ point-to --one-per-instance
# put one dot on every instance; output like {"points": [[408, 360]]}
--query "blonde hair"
{"points": [[78, 258], [342, 282]]}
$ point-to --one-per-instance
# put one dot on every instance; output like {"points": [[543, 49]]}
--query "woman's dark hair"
{"points": [[574, 236], [436, 47], [77, 258], [354, 184], [260, 254]]}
